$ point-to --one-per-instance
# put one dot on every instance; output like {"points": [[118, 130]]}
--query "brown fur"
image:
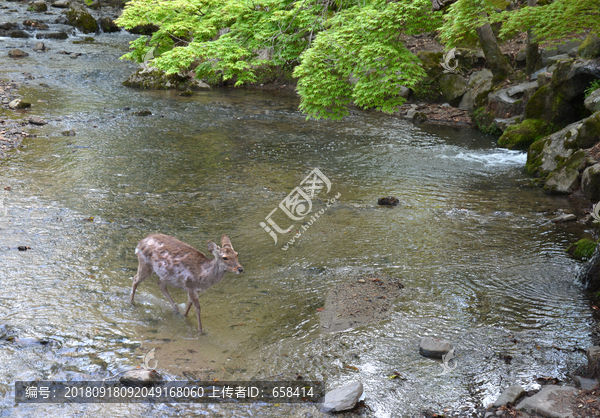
{"points": [[180, 265]]}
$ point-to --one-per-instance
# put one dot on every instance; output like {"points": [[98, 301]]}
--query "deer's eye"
{"points": [[225, 258]]}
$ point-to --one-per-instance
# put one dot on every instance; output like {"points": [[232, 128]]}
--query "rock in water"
{"points": [[17, 53], [40, 46], [564, 218], [37, 121], [39, 6], [19, 104], [389, 201], [79, 17], [342, 399], [61, 4], [509, 396], [140, 377], [434, 347]]}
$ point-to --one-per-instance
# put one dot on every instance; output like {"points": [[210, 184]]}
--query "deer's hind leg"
{"points": [[144, 271]]}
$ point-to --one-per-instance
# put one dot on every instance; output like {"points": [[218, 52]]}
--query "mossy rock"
{"points": [[431, 63], [80, 18], [521, 136], [452, 87], [590, 47], [550, 106], [590, 183], [484, 120], [589, 133], [535, 156], [582, 249]]}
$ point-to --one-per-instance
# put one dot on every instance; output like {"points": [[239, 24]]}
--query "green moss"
{"points": [[521, 136], [82, 20], [582, 249], [428, 90], [485, 121], [534, 156], [590, 47]]}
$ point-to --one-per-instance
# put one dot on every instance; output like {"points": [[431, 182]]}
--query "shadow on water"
{"points": [[470, 241]]}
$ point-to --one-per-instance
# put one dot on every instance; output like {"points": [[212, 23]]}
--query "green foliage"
{"points": [[553, 21], [463, 18], [344, 52], [594, 85]]}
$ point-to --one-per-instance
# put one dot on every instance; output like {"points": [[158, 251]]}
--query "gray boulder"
{"points": [[404, 92], [415, 116], [572, 77], [585, 384], [561, 181], [39, 46], [547, 404], [593, 354], [17, 53], [502, 124], [592, 102], [590, 183], [61, 4], [434, 347], [478, 88], [453, 87], [342, 399], [556, 58], [509, 396]]}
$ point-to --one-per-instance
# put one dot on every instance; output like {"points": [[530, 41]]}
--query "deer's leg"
{"points": [[144, 271], [189, 305], [193, 297], [163, 287]]}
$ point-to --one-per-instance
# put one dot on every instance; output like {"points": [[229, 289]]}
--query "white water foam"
{"points": [[499, 157]]}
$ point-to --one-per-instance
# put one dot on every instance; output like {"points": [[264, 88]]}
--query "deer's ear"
{"points": [[226, 242], [213, 248]]}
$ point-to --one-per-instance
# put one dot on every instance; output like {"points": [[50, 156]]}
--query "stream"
{"points": [[470, 240]]}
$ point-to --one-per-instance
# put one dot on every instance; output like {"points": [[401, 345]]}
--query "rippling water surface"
{"points": [[470, 240]]}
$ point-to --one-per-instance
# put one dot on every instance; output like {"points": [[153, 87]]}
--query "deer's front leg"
{"points": [[193, 297], [163, 287]]}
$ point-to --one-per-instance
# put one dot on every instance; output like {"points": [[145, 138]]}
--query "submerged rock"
{"points": [[342, 399], [434, 347], [17, 53], [509, 396], [52, 35], [19, 104], [582, 249], [390, 201]]}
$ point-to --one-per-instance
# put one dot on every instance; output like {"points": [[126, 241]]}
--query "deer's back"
{"points": [[176, 263]]}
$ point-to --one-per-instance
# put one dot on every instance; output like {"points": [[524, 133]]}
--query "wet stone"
{"points": [[141, 377], [17, 53], [564, 218], [342, 399], [509, 396], [434, 347]]}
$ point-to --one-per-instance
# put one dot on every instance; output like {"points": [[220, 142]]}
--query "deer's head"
{"points": [[226, 255]]}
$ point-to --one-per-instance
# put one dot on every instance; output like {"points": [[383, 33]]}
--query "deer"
{"points": [[180, 265]]}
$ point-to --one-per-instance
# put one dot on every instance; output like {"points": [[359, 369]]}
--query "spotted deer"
{"points": [[180, 265]]}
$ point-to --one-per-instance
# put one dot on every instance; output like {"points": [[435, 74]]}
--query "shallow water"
{"points": [[470, 240]]}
